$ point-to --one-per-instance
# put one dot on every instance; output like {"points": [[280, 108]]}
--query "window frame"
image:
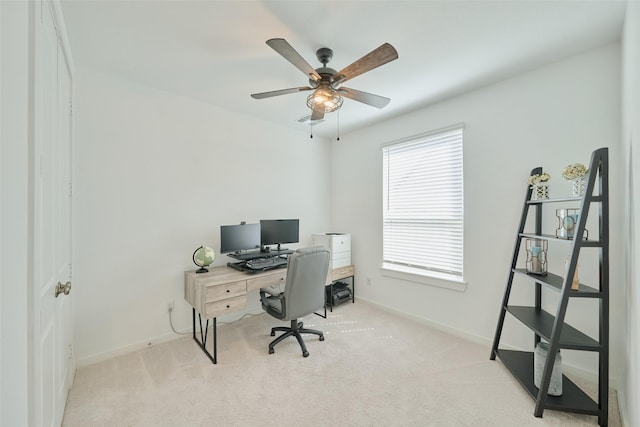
{"points": [[423, 274]]}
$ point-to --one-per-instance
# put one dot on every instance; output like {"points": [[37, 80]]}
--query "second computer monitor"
{"points": [[279, 231]]}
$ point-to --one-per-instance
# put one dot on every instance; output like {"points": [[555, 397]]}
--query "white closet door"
{"points": [[51, 222]]}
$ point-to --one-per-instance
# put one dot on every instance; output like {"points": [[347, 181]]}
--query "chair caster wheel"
{"points": [[305, 354], [321, 337], [271, 351]]}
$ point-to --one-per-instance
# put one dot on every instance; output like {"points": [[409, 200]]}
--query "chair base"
{"points": [[295, 330]]}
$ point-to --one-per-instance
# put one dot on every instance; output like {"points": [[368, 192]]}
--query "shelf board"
{"points": [[541, 322], [554, 281], [573, 399], [563, 199], [584, 242]]}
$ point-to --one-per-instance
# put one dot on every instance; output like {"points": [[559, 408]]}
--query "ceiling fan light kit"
{"points": [[324, 99], [327, 95]]}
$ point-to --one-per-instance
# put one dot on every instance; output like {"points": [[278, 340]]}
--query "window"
{"points": [[423, 204]]}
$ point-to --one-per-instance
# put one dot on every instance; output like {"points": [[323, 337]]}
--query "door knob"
{"points": [[63, 289]]}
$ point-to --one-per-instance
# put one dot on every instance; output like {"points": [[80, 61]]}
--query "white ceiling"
{"points": [[215, 51]]}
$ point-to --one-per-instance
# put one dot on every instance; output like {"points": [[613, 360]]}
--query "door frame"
{"points": [[16, 310]]}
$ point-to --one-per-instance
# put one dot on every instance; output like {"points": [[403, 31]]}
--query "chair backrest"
{"points": [[307, 272]]}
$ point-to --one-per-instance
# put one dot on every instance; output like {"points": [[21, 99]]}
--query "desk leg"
{"points": [[203, 337], [331, 297], [325, 313], [353, 289]]}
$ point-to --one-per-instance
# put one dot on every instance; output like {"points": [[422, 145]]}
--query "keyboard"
{"points": [[265, 263]]}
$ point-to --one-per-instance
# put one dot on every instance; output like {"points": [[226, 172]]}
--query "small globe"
{"points": [[203, 257]]}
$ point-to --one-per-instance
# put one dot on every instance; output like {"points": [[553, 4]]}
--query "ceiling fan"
{"points": [[326, 82]]}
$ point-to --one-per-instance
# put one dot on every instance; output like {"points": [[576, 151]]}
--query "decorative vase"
{"points": [[539, 359], [540, 191], [577, 187]]}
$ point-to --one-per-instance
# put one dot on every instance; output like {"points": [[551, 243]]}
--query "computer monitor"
{"points": [[279, 231], [237, 238]]}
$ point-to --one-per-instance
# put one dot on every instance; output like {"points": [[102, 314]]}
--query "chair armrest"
{"points": [[268, 297], [273, 290]]}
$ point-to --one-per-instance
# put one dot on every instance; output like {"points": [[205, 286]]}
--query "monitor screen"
{"points": [[276, 231], [236, 238]]}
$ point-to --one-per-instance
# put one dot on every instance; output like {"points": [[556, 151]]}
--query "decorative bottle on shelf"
{"points": [[539, 359], [575, 284]]}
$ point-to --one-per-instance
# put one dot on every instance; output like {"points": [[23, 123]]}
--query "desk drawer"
{"points": [[227, 290], [230, 305], [265, 280]]}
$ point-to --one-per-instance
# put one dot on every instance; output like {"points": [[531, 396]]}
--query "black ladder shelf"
{"points": [[553, 328]]}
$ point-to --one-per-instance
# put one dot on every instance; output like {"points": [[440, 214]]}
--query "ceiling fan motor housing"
{"points": [[324, 55]]}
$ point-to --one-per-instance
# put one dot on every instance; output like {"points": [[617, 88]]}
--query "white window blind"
{"points": [[423, 203]]}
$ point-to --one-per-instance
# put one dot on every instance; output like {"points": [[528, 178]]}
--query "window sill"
{"points": [[420, 276]]}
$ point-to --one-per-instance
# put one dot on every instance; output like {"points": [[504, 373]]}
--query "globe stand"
{"points": [[202, 268]]}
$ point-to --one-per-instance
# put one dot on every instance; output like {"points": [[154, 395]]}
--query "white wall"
{"points": [[14, 187], [156, 176], [630, 352], [550, 117]]}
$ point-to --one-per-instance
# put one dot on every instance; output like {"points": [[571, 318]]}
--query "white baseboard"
{"points": [[101, 357], [622, 406], [141, 345]]}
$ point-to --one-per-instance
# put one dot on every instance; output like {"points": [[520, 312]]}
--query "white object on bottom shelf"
{"points": [[540, 355]]}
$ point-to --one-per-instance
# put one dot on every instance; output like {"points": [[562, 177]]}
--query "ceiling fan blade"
{"points": [[364, 97], [290, 54], [317, 115], [377, 57], [263, 95]]}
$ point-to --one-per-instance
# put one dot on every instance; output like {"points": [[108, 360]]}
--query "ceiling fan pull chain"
{"points": [[338, 120], [311, 129]]}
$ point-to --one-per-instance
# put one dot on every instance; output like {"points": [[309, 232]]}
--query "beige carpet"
{"points": [[373, 369]]}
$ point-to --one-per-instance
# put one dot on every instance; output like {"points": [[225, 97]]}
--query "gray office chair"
{"points": [[303, 294]]}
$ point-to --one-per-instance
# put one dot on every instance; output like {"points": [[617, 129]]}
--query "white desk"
{"points": [[224, 290]]}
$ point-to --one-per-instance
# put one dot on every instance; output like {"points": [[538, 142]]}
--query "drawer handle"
{"points": [[228, 306], [228, 291]]}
